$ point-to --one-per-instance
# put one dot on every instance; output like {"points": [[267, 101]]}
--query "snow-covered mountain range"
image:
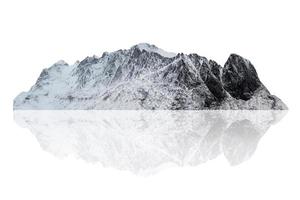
{"points": [[147, 77]]}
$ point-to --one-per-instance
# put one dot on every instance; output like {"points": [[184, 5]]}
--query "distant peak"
{"points": [[152, 48], [61, 62], [146, 46]]}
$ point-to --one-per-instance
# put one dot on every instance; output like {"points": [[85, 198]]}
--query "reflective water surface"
{"points": [[143, 141]]}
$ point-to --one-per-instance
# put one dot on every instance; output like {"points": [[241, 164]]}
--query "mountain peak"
{"points": [[152, 48], [60, 62], [146, 46]]}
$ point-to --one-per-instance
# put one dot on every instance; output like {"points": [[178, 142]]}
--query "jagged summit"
{"points": [[152, 48], [147, 77]]}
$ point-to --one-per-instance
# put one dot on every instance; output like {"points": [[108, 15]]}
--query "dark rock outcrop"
{"points": [[210, 74], [240, 78]]}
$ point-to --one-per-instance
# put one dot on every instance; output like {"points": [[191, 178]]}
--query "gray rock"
{"points": [[240, 78]]}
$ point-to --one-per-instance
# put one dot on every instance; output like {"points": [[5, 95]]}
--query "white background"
{"points": [[35, 34]]}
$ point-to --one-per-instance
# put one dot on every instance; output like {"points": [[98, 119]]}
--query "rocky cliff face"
{"points": [[146, 77]]}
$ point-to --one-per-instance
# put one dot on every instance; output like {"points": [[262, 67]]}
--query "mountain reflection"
{"points": [[142, 141]]}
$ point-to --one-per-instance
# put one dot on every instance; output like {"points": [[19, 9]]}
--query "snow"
{"points": [[153, 48], [61, 62]]}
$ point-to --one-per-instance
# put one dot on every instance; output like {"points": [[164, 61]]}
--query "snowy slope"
{"points": [[146, 77]]}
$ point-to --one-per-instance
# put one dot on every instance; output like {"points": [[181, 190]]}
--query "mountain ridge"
{"points": [[147, 77]]}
